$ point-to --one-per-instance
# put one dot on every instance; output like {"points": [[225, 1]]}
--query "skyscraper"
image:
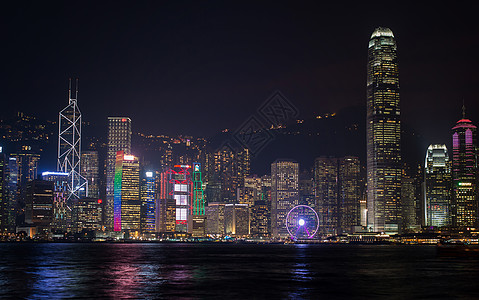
{"points": [[464, 173], [437, 183], [284, 194], [149, 196], [349, 193], [326, 186], [338, 194], [383, 133], [127, 193], [90, 170], [69, 146], [119, 139]]}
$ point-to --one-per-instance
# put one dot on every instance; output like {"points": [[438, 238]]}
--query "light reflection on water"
{"points": [[41, 271]]}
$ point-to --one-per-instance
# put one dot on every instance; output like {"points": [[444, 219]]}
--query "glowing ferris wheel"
{"points": [[302, 222]]}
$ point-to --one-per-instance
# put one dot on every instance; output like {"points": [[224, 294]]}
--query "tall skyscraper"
{"points": [[90, 170], [119, 139], [464, 173], [127, 193], [326, 183], [349, 193], [69, 146], [149, 195], [338, 194], [284, 194], [383, 133], [437, 184]]}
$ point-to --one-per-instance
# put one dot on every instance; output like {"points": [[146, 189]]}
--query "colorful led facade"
{"points": [[383, 130], [148, 202], [464, 174], [198, 199], [181, 192], [119, 139], [437, 183], [127, 193]]}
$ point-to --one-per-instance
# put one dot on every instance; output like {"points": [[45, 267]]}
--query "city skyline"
{"points": [[222, 61]]}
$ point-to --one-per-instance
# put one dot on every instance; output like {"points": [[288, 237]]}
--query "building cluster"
{"points": [[110, 191]]}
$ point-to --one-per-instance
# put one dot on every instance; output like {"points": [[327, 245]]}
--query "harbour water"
{"points": [[237, 271]]}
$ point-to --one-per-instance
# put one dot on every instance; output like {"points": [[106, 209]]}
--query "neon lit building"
{"points": [[437, 183], [464, 174], [182, 192], [127, 193], [284, 194], [383, 130], [61, 211], [198, 200], [198, 225], [119, 139], [149, 195]]}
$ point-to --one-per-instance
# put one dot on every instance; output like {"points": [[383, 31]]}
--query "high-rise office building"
{"points": [[437, 184], [119, 139], [87, 214], [39, 205], [69, 146], [464, 174], [338, 194], [237, 219], [230, 170], [62, 220], [149, 194], [260, 218], [215, 218], [326, 182], [127, 193], [90, 170], [349, 193], [284, 194], [383, 130]]}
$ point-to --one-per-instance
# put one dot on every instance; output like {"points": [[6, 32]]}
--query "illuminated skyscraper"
{"points": [[61, 211], [198, 226], [338, 194], [182, 192], [90, 171], [149, 196], [383, 131], [39, 205], [119, 139], [284, 194], [349, 193], [464, 174], [437, 182], [69, 146], [127, 193], [326, 182]]}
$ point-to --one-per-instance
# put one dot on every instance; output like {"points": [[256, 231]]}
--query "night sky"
{"points": [[198, 67]]}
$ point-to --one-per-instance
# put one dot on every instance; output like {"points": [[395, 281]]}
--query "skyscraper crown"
{"points": [[382, 31]]}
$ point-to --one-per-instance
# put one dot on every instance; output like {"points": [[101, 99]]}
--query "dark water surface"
{"points": [[225, 271]]}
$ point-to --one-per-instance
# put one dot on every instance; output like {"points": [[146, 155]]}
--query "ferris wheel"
{"points": [[302, 222]]}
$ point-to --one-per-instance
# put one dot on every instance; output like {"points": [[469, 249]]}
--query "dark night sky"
{"points": [[198, 67]]}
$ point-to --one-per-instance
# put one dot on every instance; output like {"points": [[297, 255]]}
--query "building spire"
{"points": [[463, 109]]}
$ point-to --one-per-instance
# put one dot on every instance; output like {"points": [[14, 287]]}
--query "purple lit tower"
{"points": [[464, 173]]}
